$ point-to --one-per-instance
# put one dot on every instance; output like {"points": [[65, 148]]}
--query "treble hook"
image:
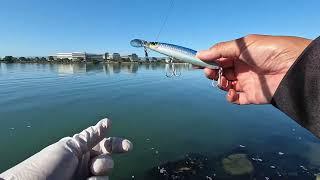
{"points": [[174, 72], [218, 83]]}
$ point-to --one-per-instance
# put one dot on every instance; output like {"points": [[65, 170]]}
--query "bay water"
{"points": [[165, 118]]}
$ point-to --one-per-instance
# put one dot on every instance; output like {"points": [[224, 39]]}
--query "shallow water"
{"points": [[165, 118]]}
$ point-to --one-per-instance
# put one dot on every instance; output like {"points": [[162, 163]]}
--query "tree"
{"points": [[30, 59], [43, 59], [8, 59], [51, 58], [22, 59]]}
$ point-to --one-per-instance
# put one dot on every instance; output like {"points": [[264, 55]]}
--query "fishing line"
{"points": [[165, 19]]}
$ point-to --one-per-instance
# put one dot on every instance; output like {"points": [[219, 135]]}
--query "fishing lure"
{"points": [[178, 52]]}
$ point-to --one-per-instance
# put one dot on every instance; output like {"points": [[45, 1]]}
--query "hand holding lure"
{"points": [[178, 52]]}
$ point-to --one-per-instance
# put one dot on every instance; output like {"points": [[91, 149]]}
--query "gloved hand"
{"points": [[79, 157]]}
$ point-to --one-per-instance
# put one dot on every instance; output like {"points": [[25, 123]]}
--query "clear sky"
{"points": [[42, 27]]}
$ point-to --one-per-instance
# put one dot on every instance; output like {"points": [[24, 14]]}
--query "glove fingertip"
{"points": [[105, 122], [127, 145]]}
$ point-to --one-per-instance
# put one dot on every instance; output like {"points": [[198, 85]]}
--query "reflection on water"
{"points": [[109, 68], [115, 68], [166, 118]]}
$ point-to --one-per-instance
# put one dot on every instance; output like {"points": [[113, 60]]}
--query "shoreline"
{"points": [[102, 62]]}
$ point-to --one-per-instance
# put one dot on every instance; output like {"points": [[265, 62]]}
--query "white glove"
{"points": [[78, 157]]}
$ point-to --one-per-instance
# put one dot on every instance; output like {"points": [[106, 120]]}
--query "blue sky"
{"points": [[38, 27]]}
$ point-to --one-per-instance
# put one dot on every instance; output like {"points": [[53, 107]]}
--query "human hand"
{"points": [[85, 155], [253, 66]]}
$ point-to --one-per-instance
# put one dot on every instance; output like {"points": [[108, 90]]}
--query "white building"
{"points": [[79, 56], [71, 56]]}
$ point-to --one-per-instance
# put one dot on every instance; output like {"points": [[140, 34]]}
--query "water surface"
{"points": [[165, 118]]}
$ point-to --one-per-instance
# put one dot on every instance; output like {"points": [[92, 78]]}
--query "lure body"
{"points": [[178, 52]]}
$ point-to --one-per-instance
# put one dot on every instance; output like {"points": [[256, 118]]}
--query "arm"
{"points": [[298, 94]]}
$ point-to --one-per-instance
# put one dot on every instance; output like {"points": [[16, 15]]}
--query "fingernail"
{"points": [[229, 93]]}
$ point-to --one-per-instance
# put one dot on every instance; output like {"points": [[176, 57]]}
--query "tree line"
{"points": [[11, 59]]}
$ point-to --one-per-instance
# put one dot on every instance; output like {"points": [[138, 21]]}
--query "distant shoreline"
{"points": [[90, 62], [51, 60]]}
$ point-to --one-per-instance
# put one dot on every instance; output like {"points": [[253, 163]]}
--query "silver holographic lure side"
{"points": [[178, 52]]}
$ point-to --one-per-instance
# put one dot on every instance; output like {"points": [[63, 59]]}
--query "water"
{"points": [[165, 118]]}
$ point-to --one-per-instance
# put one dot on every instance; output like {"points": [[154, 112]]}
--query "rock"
{"points": [[192, 166], [237, 164]]}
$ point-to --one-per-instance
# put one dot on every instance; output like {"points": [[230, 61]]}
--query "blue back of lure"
{"points": [[178, 52]]}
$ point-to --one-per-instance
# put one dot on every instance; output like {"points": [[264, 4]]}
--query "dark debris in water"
{"points": [[270, 166], [192, 166]]}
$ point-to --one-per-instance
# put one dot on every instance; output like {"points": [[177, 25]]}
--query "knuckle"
{"points": [[251, 36], [219, 46]]}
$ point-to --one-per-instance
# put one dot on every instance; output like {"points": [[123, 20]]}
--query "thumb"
{"points": [[229, 49]]}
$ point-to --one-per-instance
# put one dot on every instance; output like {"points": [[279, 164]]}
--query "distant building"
{"points": [[94, 57], [79, 56], [130, 58], [71, 56], [116, 57], [134, 57], [125, 58], [106, 56]]}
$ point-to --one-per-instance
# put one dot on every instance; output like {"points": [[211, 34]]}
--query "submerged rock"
{"points": [[192, 166], [237, 164]]}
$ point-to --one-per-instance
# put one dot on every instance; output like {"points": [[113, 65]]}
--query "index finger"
{"points": [[228, 49]]}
